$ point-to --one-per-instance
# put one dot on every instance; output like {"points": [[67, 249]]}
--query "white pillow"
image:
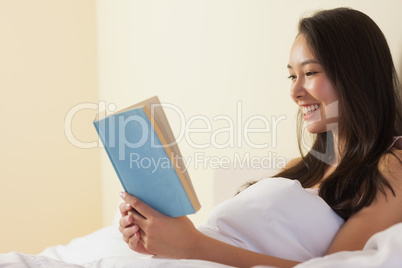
{"points": [[277, 217]]}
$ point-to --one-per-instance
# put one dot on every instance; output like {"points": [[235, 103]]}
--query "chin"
{"points": [[314, 129], [320, 126]]}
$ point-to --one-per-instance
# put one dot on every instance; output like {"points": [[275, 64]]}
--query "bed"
{"points": [[382, 250], [105, 247]]}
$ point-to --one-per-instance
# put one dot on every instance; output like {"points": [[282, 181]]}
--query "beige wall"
{"points": [[205, 56], [50, 189]]}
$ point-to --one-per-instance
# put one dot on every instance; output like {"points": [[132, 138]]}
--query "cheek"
{"points": [[331, 92], [329, 98], [323, 91], [332, 110]]}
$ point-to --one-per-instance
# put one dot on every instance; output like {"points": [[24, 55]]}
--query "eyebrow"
{"points": [[305, 63]]}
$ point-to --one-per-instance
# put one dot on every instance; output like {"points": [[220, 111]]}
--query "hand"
{"points": [[130, 230], [148, 231]]}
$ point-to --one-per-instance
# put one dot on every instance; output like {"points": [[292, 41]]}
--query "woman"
{"points": [[343, 78]]}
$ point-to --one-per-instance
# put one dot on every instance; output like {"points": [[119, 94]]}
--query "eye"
{"points": [[310, 73], [292, 77]]}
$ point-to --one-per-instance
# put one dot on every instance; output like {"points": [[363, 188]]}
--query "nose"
{"points": [[297, 90]]}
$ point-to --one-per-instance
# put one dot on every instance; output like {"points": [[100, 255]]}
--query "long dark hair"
{"points": [[357, 60]]}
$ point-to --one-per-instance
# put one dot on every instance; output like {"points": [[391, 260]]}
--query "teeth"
{"points": [[309, 109]]}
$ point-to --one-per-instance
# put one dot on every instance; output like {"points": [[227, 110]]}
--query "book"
{"points": [[146, 157]]}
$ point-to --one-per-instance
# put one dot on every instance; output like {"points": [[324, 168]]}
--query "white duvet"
{"points": [[261, 219], [101, 249], [382, 250]]}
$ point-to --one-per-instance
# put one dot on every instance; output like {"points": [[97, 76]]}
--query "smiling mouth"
{"points": [[307, 110]]}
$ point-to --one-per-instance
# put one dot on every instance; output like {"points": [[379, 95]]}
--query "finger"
{"points": [[125, 221], [134, 212], [129, 232], [135, 240], [121, 228], [124, 208], [138, 219], [139, 206], [141, 235]]}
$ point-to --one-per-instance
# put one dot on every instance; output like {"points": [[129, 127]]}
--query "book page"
{"points": [[161, 124]]}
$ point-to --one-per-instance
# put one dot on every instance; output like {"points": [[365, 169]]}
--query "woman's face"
{"points": [[311, 89]]}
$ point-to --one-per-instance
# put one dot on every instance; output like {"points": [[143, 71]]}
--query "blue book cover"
{"points": [[146, 158]]}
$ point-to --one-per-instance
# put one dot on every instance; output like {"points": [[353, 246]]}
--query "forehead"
{"points": [[301, 52]]}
